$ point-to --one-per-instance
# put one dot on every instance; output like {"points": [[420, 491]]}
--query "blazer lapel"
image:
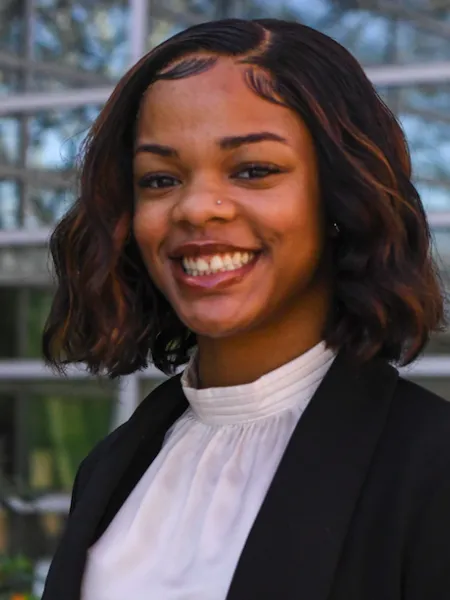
{"points": [[151, 421], [296, 541]]}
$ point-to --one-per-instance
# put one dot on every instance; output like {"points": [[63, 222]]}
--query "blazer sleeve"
{"points": [[428, 573]]}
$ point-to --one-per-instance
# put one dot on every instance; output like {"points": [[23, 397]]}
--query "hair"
{"points": [[106, 311]]}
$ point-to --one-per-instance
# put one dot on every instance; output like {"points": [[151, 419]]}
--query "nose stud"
{"points": [[218, 201]]}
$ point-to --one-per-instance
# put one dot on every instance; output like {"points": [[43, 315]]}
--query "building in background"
{"points": [[59, 60]]}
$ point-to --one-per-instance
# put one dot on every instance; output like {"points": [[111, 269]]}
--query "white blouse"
{"points": [[180, 533]]}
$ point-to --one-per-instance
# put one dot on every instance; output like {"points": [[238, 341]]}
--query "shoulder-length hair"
{"points": [[106, 311]]}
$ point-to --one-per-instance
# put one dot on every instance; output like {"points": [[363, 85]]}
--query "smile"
{"points": [[217, 263]]}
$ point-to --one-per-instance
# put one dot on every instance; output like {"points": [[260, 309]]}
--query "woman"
{"points": [[246, 206]]}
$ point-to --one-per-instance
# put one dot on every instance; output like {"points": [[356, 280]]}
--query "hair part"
{"points": [[388, 298]]}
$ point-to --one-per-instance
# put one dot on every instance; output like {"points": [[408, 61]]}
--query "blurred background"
{"points": [[59, 60]]}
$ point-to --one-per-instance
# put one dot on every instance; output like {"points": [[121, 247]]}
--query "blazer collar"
{"points": [[296, 541], [294, 546]]}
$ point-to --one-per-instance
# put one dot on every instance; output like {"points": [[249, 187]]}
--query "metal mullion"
{"points": [[58, 71], [25, 124], [383, 76], [46, 177], [128, 394]]}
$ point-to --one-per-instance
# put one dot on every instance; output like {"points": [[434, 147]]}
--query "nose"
{"points": [[198, 207]]}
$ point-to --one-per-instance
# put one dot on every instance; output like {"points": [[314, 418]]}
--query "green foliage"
{"points": [[16, 576]]}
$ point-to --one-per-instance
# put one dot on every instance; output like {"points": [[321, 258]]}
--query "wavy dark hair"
{"points": [[107, 313]]}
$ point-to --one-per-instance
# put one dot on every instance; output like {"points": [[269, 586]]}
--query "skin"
{"points": [[277, 311]]}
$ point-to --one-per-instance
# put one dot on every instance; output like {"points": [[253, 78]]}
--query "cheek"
{"points": [[295, 224], [149, 231]]}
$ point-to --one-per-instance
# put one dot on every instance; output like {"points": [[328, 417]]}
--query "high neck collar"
{"points": [[291, 385]]}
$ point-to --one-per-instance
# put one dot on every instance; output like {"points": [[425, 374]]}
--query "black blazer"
{"points": [[359, 508]]}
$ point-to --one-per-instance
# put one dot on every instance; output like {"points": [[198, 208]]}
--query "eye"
{"points": [[256, 172], [157, 181]]}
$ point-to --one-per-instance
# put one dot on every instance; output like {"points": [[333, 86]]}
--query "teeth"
{"points": [[207, 265], [216, 263], [201, 265]]}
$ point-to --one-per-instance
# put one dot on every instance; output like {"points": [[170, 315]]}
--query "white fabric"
{"points": [[180, 533]]}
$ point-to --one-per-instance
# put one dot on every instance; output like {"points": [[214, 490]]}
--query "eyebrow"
{"points": [[226, 143], [232, 142]]}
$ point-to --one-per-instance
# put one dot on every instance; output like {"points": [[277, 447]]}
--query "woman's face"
{"points": [[228, 216]]}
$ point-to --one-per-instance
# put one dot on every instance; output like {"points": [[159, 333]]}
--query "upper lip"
{"points": [[206, 247]]}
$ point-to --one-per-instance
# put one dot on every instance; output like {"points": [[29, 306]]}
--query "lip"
{"points": [[214, 281], [207, 247]]}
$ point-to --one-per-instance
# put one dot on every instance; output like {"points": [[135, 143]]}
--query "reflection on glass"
{"points": [[9, 204], [91, 36], [61, 430], [46, 429], [441, 247], [424, 111], [10, 80], [47, 206], [37, 309], [376, 33], [56, 136], [434, 196], [28, 307], [11, 25], [9, 140], [424, 39]]}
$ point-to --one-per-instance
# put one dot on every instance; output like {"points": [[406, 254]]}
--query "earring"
{"points": [[336, 228]]}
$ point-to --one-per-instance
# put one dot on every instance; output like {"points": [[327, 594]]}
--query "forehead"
{"points": [[219, 99]]}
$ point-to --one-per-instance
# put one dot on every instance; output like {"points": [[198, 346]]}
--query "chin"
{"points": [[216, 327]]}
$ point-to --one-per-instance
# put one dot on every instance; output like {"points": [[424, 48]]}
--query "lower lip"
{"points": [[220, 280]]}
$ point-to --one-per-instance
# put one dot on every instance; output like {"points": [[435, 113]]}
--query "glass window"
{"points": [[23, 312], [46, 429], [47, 206], [91, 36], [9, 140], [423, 111], [9, 204], [10, 80], [24, 266], [56, 136], [387, 32], [11, 25], [38, 307]]}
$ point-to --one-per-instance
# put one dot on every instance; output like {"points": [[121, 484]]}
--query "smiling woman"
{"points": [[246, 207]]}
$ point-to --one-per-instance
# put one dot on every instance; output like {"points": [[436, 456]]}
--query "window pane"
{"points": [[38, 308], [424, 111], [56, 136], [9, 204], [11, 25], [9, 140], [10, 80], [46, 429], [91, 36], [46, 206], [24, 266], [375, 32]]}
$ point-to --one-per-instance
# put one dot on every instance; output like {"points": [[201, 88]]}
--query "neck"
{"points": [[241, 359]]}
